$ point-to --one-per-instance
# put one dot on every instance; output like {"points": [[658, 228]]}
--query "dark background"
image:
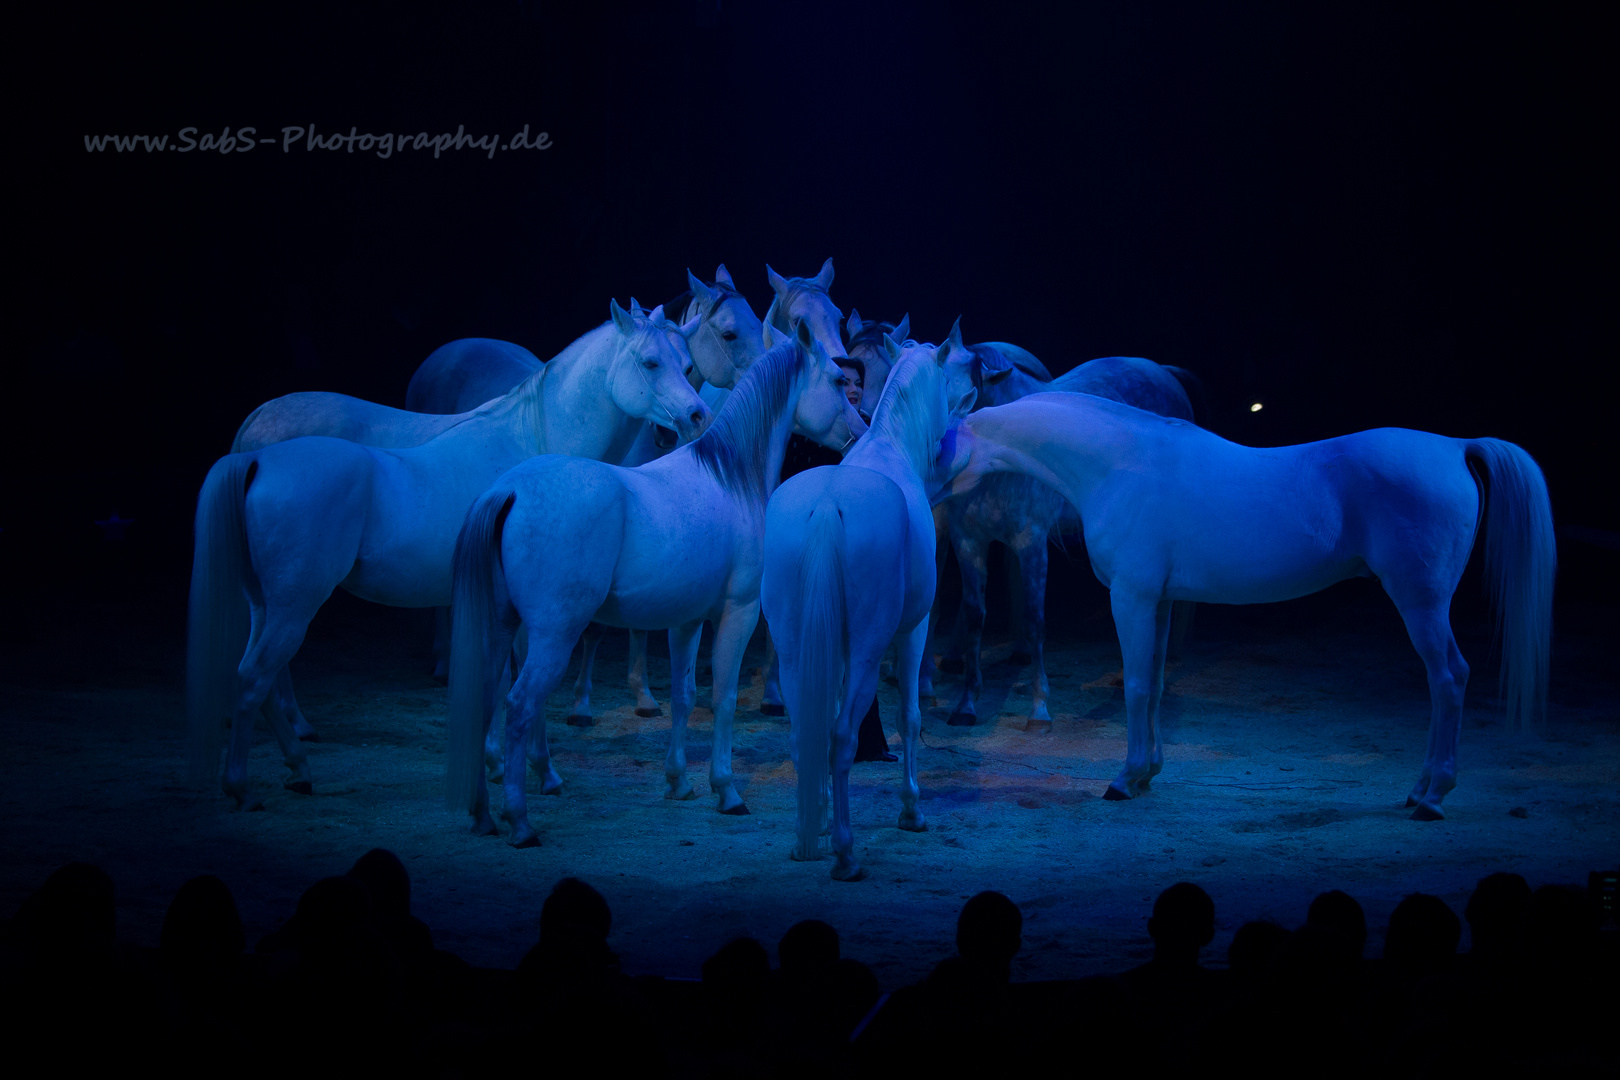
{"points": [[1360, 215]]}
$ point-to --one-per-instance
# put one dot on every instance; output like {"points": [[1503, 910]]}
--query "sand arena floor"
{"points": [[1293, 733]]}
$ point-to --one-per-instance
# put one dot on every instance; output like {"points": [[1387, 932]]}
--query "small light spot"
{"points": [[1256, 407]]}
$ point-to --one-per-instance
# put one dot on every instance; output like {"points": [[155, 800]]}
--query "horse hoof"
{"points": [[1425, 812], [1021, 659], [581, 720], [684, 793], [484, 828], [1115, 793], [962, 719], [441, 677], [953, 666], [771, 708], [1039, 727], [310, 736], [300, 787], [912, 821], [850, 872], [736, 811], [642, 710], [1411, 800], [527, 838], [798, 854]]}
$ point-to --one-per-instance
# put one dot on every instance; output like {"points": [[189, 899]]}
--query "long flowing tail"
{"points": [[475, 607], [1521, 559], [217, 622], [823, 662]]}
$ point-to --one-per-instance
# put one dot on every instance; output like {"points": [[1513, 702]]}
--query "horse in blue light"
{"points": [[1171, 512], [558, 543], [279, 528], [1023, 513], [849, 568]]}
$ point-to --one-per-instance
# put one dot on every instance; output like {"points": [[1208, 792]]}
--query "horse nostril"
{"points": [[697, 417]]}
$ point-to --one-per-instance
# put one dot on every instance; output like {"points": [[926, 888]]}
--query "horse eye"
{"points": [[729, 335], [649, 364], [688, 369]]}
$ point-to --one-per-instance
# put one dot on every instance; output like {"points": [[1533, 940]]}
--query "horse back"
{"points": [[336, 416], [461, 375], [1129, 380]]}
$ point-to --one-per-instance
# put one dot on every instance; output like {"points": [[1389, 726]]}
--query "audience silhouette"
{"points": [[354, 977]]}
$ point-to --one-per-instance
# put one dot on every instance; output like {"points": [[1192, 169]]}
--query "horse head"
{"points": [[806, 300], [729, 336], [647, 376], [866, 345], [823, 412]]}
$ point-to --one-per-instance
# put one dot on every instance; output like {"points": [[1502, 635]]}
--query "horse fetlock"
{"points": [[847, 869], [524, 835], [911, 820], [550, 782]]}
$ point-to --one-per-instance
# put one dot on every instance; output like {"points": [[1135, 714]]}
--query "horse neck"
{"points": [[1088, 446], [575, 413], [737, 425], [896, 438]]}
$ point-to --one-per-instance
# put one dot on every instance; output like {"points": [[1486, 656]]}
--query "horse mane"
{"points": [[733, 449], [795, 288], [911, 411]]}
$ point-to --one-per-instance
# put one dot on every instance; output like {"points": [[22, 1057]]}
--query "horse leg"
{"points": [[282, 695], [683, 645], [1017, 629], [543, 668], [970, 556], [863, 679], [580, 714], [911, 818], [731, 636], [646, 704], [501, 661], [1429, 626], [280, 708], [273, 640], [770, 698], [1032, 560], [1142, 622], [441, 645], [1181, 622]]}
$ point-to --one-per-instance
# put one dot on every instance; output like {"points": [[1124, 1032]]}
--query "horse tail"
{"points": [[1521, 559], [1193, 386], [477, 601], [823, 661], [239, 443], [217, 623]]}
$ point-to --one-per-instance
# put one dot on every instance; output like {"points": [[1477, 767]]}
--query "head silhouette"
{"points": [[1423, 934], [1498, 913], [808, 948], [386, 882], [1183, 922], [202, 928], [989, 932], [330, 912], [1256, 950], [1338, 911], [576, 916]]}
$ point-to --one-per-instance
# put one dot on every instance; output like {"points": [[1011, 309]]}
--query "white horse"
{"points": [[849, 567], [279, 528], [863, 341], [805, 300], [558, 543], [1172, 512], [1022, 513]]}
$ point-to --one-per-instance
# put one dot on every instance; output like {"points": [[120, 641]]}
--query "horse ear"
{"points": [[891, 348], [656, 315], [802, 332], [778, 282], [824, 278], [853, 325], [768, 329], [700, 292], [722, 276], [993, 367], [903, 331], [636, 309], [691, 325], [953, 343], [625, 321]]}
